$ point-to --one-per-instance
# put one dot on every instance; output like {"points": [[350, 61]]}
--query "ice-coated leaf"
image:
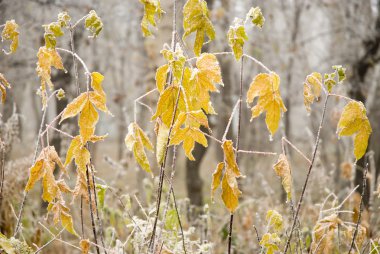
{"points": [[93, 23], [354, 121], [10, 32], [267, 88], [152, 8], [312, 88], [196, 19], [282, 169], [236, 37], [135, 141]]}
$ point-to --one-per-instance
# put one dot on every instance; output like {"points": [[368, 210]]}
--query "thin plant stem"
{"points": [[2, 165], [230, 120], [295, 219], [284, 139], [361, 208], [91, 210], [100, 225]]}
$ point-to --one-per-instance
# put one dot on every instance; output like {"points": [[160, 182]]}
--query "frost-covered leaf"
{"points": [[274, 220], [312, 89], [354, 121], [329, 81], [93, 23], [230, 188], [167, 102], [267, 88], [101, 193], [341, 71], [152, 8], [3, 85], [136, 140], [161, 76], [237, 37], [216, 178], [256, 17], [85, 246], [196, 19], [10, 32], [282, 169], [162, 140], [270, 243], [191, 132], [47, 58]]}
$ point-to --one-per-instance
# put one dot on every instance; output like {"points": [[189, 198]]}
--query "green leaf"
{"points": [[256, 17], [196, 19], [171, 222], [329, 81], [93, 23], [237, 37], [101, 192], [341, 72]]}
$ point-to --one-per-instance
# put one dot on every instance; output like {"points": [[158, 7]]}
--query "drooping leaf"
{"points": [[354, 121], [3, 85], [52, 31], [230, 188], [237, 37], [136, 140], [267, 88], [324, 233], [161, 76], [151, 9], [93, 23], [190, 133], [43, 169], [61, 213], [64, 19], [282, 169], [101, 193], [196, 19], [47, 58], [312, 89], [88, 119], [167, 102], [216, 178], [256, 17], [10, 32]]}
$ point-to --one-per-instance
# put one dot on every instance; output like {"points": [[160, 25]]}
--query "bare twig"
{"points": [[284, 139], [238, 103], [360, 208], [307, 176], [91, 209]]}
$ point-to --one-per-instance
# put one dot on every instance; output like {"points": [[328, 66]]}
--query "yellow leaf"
{"points": [[274, 219], [10, 32], [74, 107], [166, 104], [162, 140], [99, 101], [354, 120], [79, 152], [87, 121], [136, 140], [236, 37], [266, 87], [270, 242], [191, 132], [216, 178], [3, 85], [84, 246], [151, 9], [93, 23], [199, 82], [47, 58], [196, 19], [176, 61], [96, 83], [282, 169], [256, 17], [312, 88], [161, 76], [230, 188]]}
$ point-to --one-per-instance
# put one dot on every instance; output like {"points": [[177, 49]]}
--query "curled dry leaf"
{"points": [[283, 170], [152, 8], [312, 88], [10, 32]]}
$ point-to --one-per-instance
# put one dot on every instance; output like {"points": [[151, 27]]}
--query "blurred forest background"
{"points": [[299, 37]]}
